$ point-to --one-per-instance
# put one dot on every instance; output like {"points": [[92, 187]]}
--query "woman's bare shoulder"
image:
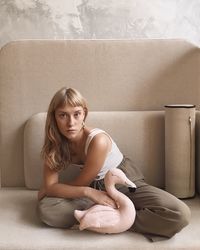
{"points": [[88, 130], [100, 141]]}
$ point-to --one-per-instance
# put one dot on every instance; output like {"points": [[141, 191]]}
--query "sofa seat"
{"points": [[21, 230]]}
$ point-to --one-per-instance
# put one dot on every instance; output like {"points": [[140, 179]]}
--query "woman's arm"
{"points": [[98, 149], [96, 156], [55, 189], [51, 186], [97, 152]]}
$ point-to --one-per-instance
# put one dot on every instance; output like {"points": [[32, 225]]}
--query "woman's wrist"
{"points": [[87, 192]]}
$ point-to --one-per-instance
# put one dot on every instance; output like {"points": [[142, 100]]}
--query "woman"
{"points": [[69, 141]]}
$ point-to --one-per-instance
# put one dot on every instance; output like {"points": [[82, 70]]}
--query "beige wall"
{"points": [[99, 19]]}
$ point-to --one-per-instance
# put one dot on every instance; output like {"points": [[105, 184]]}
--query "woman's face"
{"points": [[70, 120]]}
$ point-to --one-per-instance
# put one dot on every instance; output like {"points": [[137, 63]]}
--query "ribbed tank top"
{"points": [[114, 157]]}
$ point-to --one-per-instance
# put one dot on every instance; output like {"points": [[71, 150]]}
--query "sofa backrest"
{"points": [[139, 135], [121, 75]]}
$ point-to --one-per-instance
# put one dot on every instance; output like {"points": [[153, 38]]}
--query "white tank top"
{"points": [[114, 157]]}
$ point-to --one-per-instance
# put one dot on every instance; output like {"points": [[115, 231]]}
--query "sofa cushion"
{"points": [[139, 135], [21, 230]]}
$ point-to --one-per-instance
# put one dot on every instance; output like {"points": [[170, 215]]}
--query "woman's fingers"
{"points": [[101, 197]]}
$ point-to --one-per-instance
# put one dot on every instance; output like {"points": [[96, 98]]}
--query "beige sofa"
{"points": [[127, 83]]}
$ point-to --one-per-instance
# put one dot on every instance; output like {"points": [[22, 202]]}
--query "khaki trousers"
{"points": [[158, 213]]}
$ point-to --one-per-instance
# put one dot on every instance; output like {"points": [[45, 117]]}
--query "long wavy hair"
{"points": [[55, 151]]}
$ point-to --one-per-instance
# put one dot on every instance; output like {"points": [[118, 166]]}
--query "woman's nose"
{"points": [[71, 121]]}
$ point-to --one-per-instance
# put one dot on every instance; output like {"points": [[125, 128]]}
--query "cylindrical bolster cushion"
{"points": [[197, 152], [180, 150]]}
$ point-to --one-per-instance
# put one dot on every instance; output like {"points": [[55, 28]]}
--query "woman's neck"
{"points": [[76, 142], [77, 148]]}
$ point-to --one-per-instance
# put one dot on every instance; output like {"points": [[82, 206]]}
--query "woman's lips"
{"points": [[71, 130]]}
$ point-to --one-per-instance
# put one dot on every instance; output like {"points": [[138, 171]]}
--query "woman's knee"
{"points": [[157, 207], [56, 215], [184, 216], [176, 209], [177, 216]]}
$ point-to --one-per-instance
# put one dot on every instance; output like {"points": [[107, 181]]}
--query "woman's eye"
{"points": [[76, 115], [62, 115]]}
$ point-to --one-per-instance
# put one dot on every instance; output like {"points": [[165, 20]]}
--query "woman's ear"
{"points": [[85, 113]]}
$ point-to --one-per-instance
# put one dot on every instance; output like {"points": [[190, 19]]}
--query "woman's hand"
{"points": [[41, 193], [100, 197]]}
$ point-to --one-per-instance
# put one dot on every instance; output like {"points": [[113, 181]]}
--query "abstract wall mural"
{"points": [[99, 19]]}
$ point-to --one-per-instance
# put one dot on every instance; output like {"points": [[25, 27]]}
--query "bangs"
{"points": [[72, 100], [67, 97]]}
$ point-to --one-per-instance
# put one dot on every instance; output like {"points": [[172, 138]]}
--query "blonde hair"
{"points": [[55, 150]]}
